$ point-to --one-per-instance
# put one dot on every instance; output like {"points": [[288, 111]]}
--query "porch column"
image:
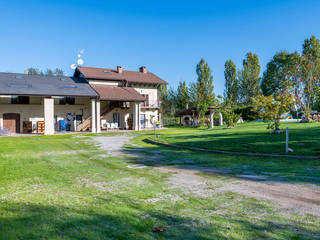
{"points": [[48, 110], [98, 116], [220, 119], [211, 119], [136, 116], [93, 115]]}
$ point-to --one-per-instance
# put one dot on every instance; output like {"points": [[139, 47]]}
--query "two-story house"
{"points": [[93, 99], [128, 99]]}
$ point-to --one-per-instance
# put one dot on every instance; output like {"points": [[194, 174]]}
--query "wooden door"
{"points": [[11, 121]]}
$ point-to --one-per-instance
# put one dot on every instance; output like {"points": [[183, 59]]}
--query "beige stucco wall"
{"points": [[35, 110]]}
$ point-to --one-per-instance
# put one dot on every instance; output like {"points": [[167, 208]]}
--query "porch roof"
{"points": [[115, 93], [34, 85]]}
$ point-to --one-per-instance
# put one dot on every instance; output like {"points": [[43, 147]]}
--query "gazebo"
{"points": [[190, 116]]}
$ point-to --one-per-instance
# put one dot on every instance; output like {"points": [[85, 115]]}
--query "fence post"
{"points": [[287, 140]]}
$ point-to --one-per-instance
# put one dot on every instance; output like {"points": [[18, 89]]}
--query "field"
{"points": [[249, 137], [89, 187]]}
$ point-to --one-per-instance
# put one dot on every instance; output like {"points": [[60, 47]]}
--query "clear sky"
{"points": [[169, 37]]}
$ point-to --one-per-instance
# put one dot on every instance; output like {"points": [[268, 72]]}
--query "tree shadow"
{"points": [[35, 221], [303, 141], [274, 169]]}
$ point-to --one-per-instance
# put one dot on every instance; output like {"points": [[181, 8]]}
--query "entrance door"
{"points": [[143, 120], [116, 119], [11, 121]]}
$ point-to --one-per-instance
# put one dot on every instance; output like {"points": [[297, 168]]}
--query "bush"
{"points": [[248, 113], [230, 117]]}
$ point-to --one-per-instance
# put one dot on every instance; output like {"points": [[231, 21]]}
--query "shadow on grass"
{"points": [[304, 141], [273, 169], [57, 222]]}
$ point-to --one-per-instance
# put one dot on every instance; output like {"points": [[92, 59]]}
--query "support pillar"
{"points": [[220, 119], [93, 116], [48, 110], [211, 119], [136, 116], [98, 116]]}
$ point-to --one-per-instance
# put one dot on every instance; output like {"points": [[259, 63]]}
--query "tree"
{"points": [[271, 108], [231, 82], [311, 46], [230, 117], [204, 88], [183, 96], [48, 72], [166, 101], [250, 77], [277, 77]]}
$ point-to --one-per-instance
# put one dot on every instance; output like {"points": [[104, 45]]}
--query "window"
{"points": [[68, 86], [20, 100], [145, 103], [67, 100], [22, 85]]}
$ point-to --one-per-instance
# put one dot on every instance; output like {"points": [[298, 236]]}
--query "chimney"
{"points": [[143, 69], [119, 69]]}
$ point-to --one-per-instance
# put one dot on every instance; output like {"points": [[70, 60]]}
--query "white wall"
{"points": [[34, 111]]}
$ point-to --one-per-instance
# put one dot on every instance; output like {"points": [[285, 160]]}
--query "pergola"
{"points": [[212, 110]]}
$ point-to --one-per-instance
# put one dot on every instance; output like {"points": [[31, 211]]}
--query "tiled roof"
{"points": [[34, 85], [112, 74], [116, 93]]}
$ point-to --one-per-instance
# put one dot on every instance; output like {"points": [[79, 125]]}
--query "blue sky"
{"points": [[169, 37]]}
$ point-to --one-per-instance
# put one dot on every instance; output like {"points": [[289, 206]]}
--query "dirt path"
{"points": [[289, 197]]}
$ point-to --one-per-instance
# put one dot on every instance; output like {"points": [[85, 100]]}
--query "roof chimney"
{"points": [[119, 69], [143, 69]]}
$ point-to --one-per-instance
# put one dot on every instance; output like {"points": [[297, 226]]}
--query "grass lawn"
{"points": [[65, 187], [304, 138]]}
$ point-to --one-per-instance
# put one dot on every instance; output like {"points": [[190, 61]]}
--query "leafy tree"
{"points": [[204, 88], [48, 72], [310, 73], [311, 46], [166, 101], [231, 82], [271, 108], [249, 78], [183, 96], [277, 77], [230, 117]]}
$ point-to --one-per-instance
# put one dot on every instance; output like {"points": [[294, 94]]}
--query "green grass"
{"points": [[249, 137], [62, 187]]}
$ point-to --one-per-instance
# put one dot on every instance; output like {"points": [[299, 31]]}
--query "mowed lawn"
{"points": [[304, 138], [65, 187]]}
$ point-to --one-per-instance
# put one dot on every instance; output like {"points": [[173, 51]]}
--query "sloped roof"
{"points": [[23, 84], [112, 74], [115, 93]]}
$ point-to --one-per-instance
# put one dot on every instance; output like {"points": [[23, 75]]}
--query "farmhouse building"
{"points": [[92, 99]]}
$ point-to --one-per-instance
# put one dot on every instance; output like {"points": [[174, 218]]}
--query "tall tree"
{"points": [[205, 95], [311, 46], [48, 72], [250, 77], [183, 96], [231, 82], [277, 77], [308, 76]]}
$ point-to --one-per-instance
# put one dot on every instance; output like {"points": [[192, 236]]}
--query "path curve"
{"points": [[289, 197]]}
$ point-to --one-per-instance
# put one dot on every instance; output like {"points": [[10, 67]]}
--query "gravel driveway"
{"points": [[288, 197]]}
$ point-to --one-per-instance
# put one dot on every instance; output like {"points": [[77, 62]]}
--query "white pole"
{"points": [[287, 140]]}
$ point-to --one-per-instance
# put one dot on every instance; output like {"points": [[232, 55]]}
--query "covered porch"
{"points": [[42, 114], [117, 108]]}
